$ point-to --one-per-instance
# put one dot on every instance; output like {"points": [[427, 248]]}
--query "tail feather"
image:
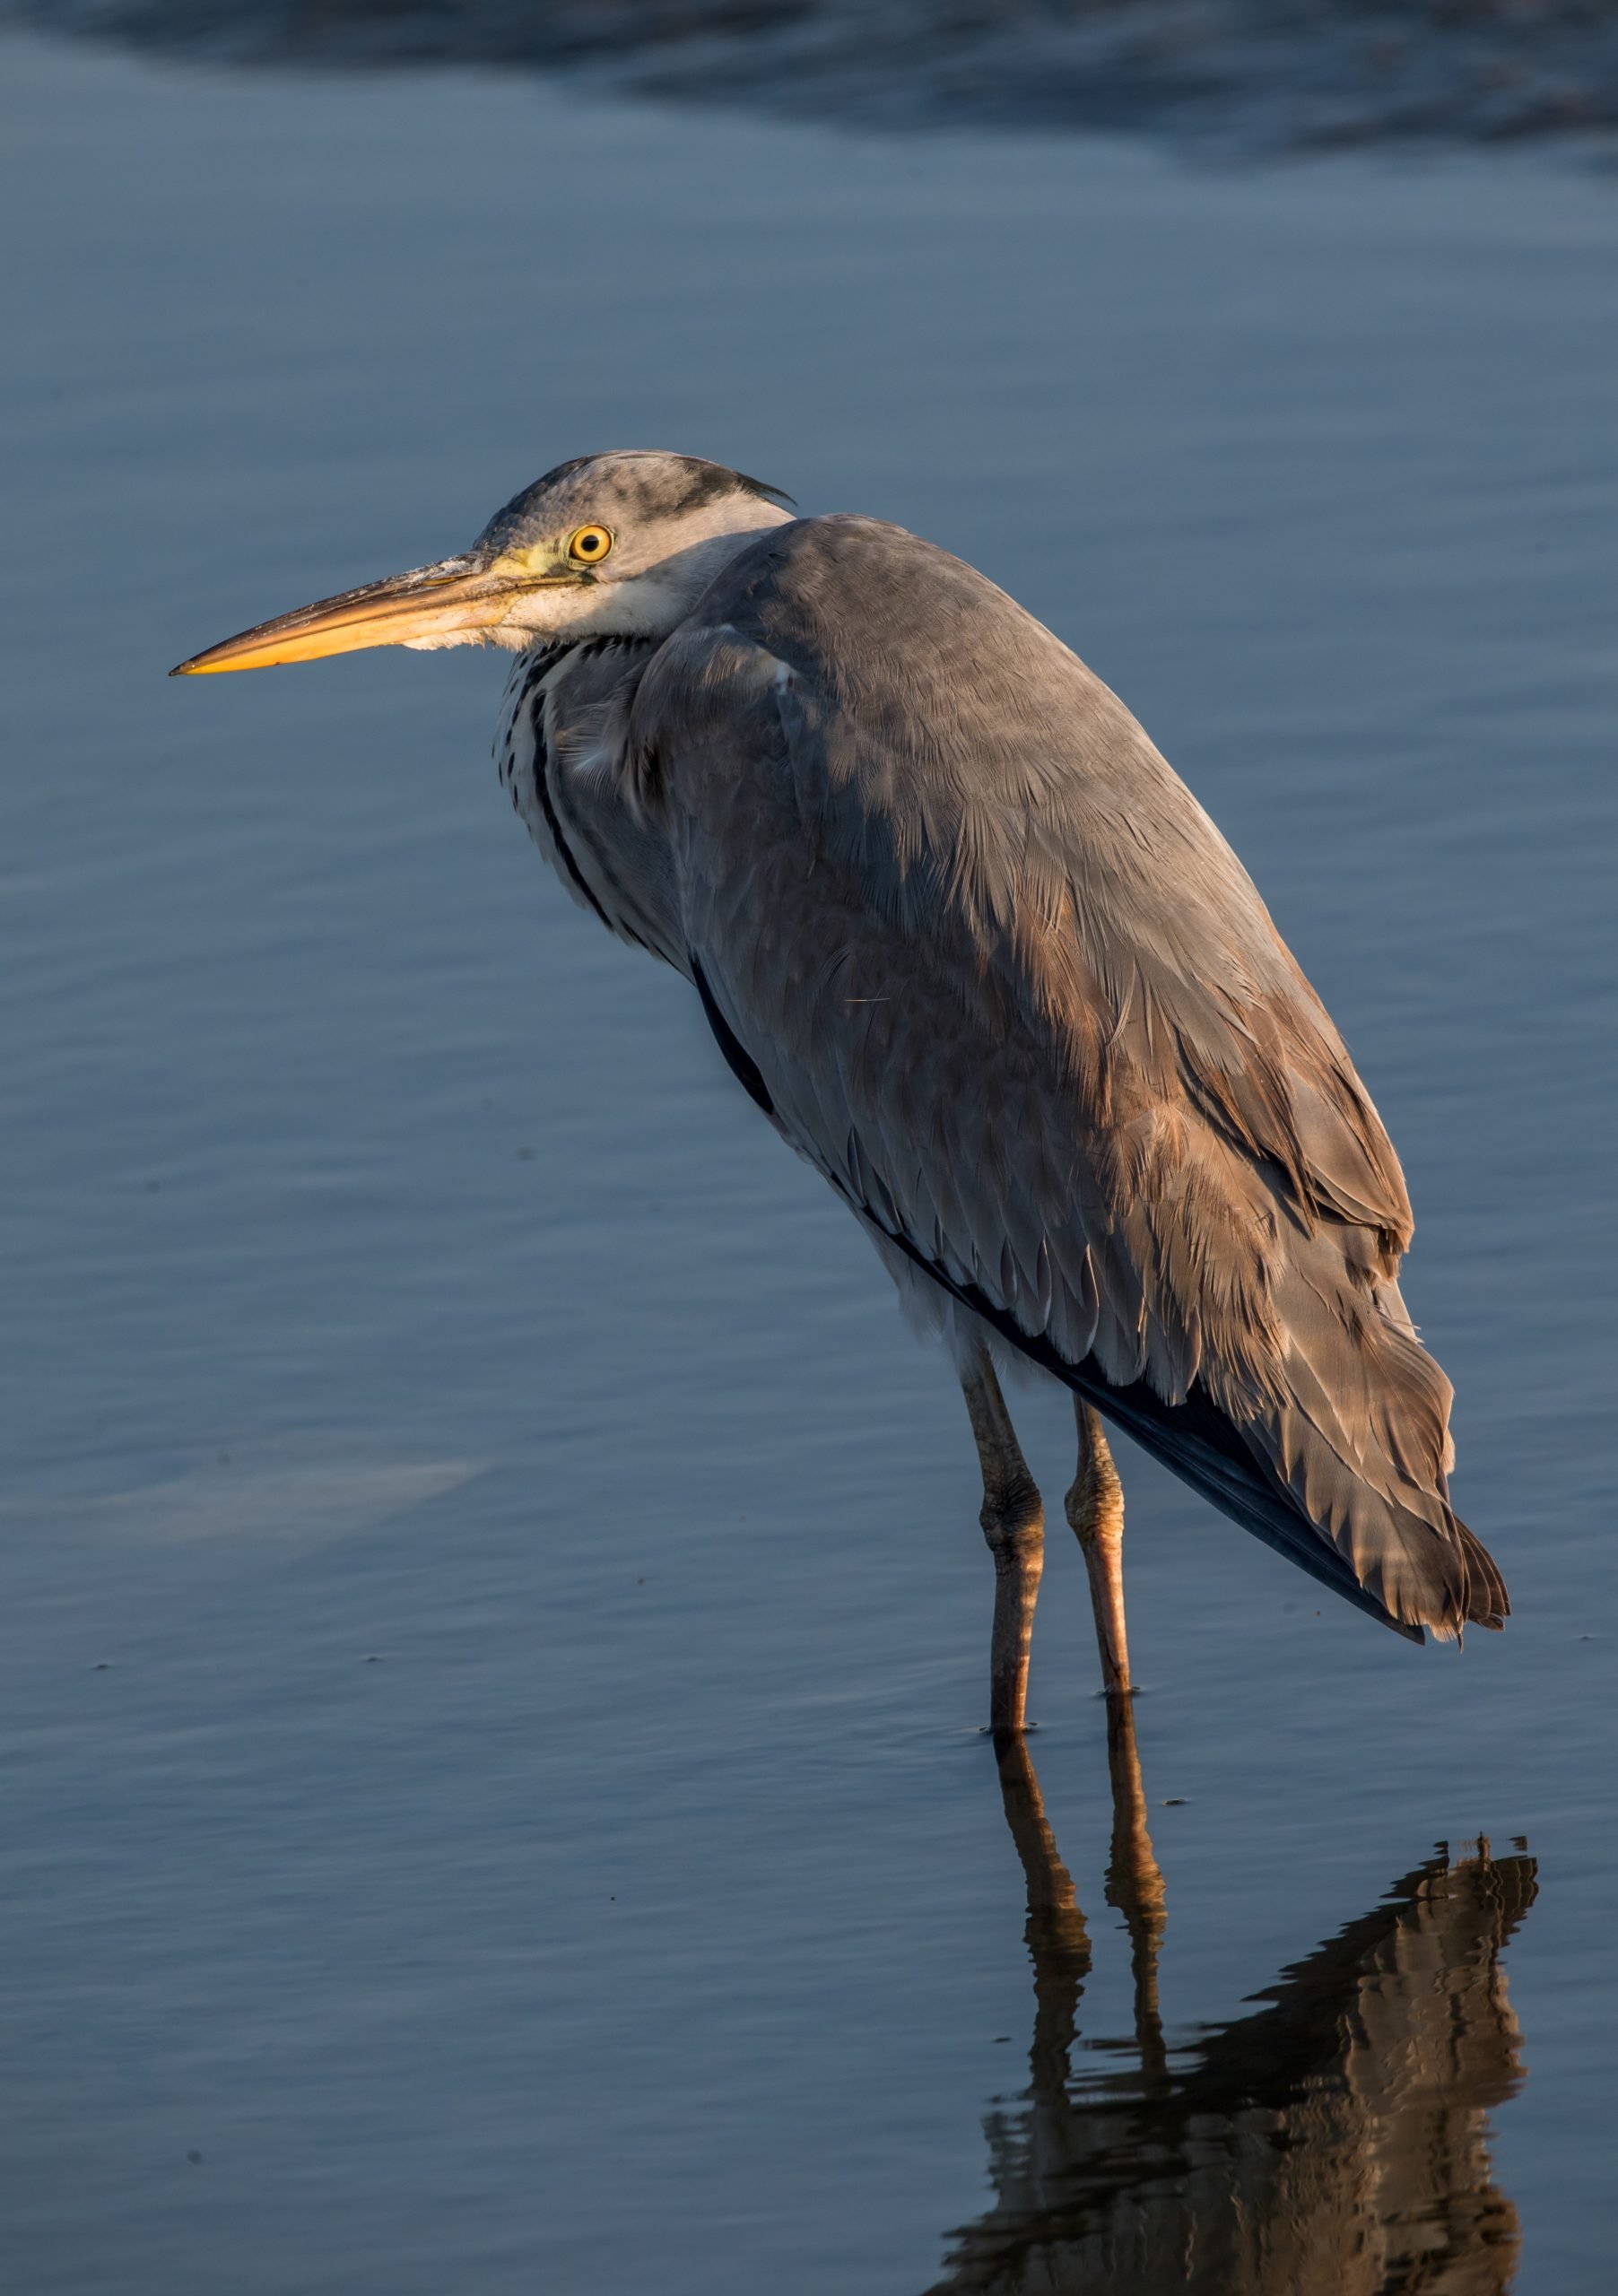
{"points": [[1355, 1430], [1488, 1605], [1343, 1470], [1406, 1570], [1195, 1442]]}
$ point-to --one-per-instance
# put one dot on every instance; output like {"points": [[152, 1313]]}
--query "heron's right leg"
{"points": [[1013, 1523]]}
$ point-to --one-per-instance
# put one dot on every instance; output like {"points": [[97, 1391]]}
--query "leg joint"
{"points": [[1013, 1519], [1094, 1504]]}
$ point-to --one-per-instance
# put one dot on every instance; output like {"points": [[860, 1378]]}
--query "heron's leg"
{"points": [[1095, 1508], [1013, 1523]]}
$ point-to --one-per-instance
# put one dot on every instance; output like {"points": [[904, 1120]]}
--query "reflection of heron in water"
{"points": [[1331, 2142]]}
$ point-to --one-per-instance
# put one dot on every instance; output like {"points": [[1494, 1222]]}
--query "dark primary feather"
{"points": [[999, 978]]}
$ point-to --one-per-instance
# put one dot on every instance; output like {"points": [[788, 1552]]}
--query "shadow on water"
{"points": [[1335, 2140]]}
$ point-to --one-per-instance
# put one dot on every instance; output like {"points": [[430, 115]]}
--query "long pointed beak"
{"points": [[430, 603]]}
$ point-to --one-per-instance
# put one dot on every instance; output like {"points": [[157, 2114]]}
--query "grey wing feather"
{"points": [[1008, 989]]}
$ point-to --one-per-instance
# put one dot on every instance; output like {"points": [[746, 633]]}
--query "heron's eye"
{"points": [[589, 546]]}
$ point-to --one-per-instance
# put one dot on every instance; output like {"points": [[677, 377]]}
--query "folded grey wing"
{"points": [[1024, 1009]]}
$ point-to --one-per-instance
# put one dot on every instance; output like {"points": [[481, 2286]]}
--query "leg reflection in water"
{"points": [[1332, 2144]]}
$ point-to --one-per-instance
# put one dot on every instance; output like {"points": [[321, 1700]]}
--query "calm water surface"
{"points": [[497, 1623]]}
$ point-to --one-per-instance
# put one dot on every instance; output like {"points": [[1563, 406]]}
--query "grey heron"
{"points": [[978, 954]]}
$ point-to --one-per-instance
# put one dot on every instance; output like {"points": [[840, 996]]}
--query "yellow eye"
{"points": [[589, 546]]}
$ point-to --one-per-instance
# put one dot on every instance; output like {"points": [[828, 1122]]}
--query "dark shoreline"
{"points": [[1246, 75]]}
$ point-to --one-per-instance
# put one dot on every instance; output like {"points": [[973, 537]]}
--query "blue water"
{"points": [[496, 1621]]}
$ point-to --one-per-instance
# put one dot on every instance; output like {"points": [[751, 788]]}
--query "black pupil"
{"points": [[589, 545]]}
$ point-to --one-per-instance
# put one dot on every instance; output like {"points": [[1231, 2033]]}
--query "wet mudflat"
{"points": [[496, 1623]]}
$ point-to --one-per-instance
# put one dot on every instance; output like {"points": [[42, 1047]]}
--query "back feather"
{"points": [[995, 972]]}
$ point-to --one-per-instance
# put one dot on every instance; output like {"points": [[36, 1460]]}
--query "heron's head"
{"points": [[611, 545]]}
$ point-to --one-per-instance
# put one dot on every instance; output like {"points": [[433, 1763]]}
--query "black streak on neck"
{"points": [[541, 784]]}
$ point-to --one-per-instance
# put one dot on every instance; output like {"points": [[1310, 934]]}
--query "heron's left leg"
{"points": [[1013, 1523]]}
